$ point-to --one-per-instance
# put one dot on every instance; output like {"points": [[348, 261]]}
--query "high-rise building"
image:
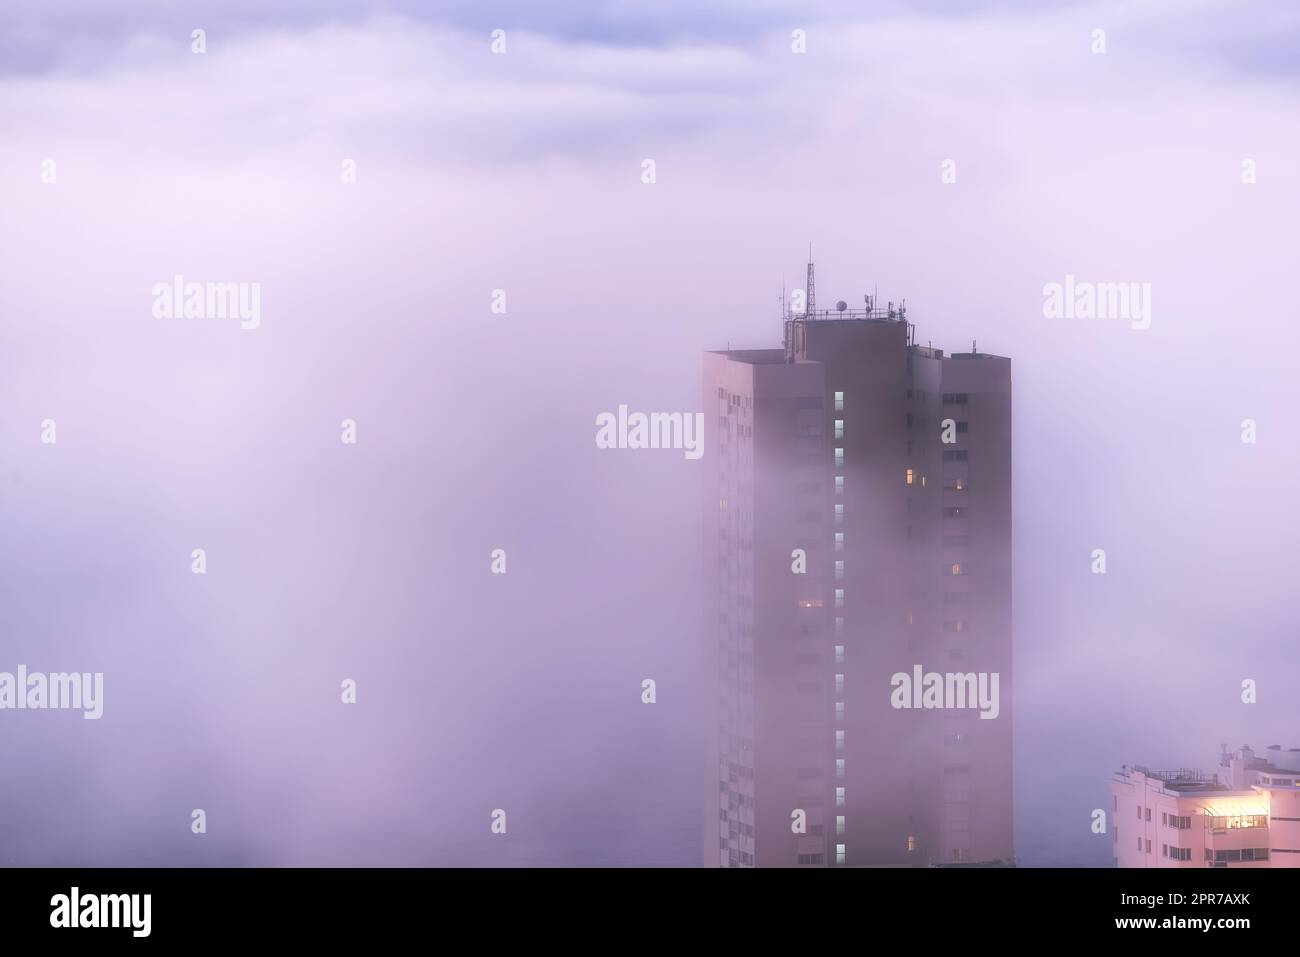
{"points": [[1246, 815], [858, 533]]}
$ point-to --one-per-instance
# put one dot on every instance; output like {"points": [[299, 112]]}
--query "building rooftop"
{"points": [[1182, 780], [756, 357]]}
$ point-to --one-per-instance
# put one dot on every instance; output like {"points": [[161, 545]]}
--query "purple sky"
{"points": [[522, 172]]}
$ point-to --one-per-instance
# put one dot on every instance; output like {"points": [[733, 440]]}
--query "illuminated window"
{"points": [[839, 825], [922, 481], [839, 654], [839, 569], [839, 797], [839, 541], [839, 739], [909, 476], [839, 513], [839, 401], [840, 855], [839, 485], [1220, 821], [956, 568], [839, 456], [839, 684], [911, 842], [839, 768], [839, 626], [839, 711], [839, 598], [810, 602]]}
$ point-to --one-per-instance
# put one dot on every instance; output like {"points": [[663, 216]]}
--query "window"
{"points": [[839, 825], [956, 626], [839, 654], [1148, 847], [839, 768], [839, 541], [955, 455], [839, 797], [1164, 818], [909, 476], [839, 598], [839, 401], [1139, 810], [839, 456], [1236, 821], [810, 858], [911, 842], [839, 739], [839, 626], [839, 711], [839, 428], [957, 569], [1148, 817], [956, 398], [839, 513], [840, 855], [839, 485], [1164, 850], [839, 569], [956, 511], [839, 684], [963, 426]]}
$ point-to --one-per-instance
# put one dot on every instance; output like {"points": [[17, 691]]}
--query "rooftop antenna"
{"points": [[812, 293]]}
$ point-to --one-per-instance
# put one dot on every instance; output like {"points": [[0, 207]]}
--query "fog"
{"points": [[475, 430]]}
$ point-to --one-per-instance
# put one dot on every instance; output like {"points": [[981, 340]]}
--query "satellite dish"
{"points": [[841, 305]]}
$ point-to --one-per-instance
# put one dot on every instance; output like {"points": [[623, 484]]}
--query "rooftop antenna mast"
{"points": [[812, 291]]}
